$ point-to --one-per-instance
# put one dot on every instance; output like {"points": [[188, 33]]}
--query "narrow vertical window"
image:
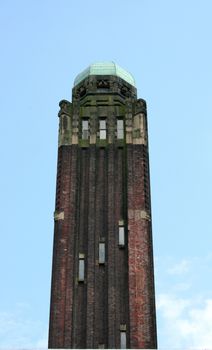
{"points": [[81, 268], [123, 340], [102, 129], [123, 337], [85, 129], [121, 236], [101, 253], [120, 129]]}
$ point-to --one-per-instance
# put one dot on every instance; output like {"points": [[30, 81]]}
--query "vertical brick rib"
{"points": [[111, 252], [131, 248], [53, 322], [58, 298], [125, 316], [141, 278], [122, 301], [70, 252], [76, 248], [118, 268], [79, 340], [101, 234], [119, 252], [151, 286], [91, 251]]}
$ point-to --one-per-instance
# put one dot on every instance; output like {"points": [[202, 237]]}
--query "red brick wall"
{"points": [[91, 190], [60, 329], [141, 275]]}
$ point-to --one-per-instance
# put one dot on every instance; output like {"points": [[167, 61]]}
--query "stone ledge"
{"points": [[138, 214], [58, 215]]}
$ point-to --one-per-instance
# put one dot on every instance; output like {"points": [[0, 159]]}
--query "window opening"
{"points": [[101, 253], [85, 129], [121, 236], [102, 129], [120, 129], [123, 340], [123, 337], [81, 268]]}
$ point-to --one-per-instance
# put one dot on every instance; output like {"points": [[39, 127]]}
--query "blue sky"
{"points": [[166, 45]]}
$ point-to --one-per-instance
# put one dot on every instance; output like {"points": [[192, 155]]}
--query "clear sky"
{"points": [[167, 46]]}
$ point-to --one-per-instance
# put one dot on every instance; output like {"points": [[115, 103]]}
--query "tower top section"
{"points": [[105, 68]]}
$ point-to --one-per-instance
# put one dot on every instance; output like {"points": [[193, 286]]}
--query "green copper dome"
{"points": [[105, 68]]}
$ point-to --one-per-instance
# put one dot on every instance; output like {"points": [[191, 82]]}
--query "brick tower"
{"points": [[102, 293]]}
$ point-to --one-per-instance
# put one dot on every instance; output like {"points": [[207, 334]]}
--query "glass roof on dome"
{"points": [[105, 68]]}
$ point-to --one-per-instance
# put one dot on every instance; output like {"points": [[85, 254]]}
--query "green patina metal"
{"points": [[105, 68]]}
